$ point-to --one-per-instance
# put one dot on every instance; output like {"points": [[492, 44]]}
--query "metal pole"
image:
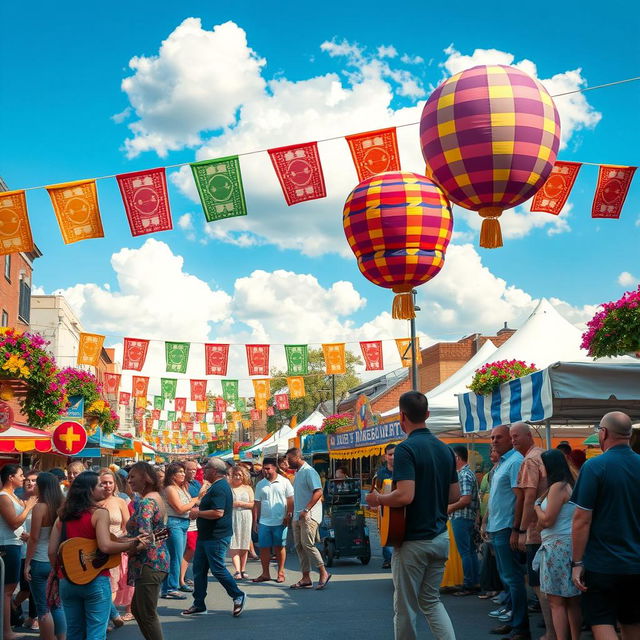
{"points": [[414, 356], [548, 433], [333, 391]]}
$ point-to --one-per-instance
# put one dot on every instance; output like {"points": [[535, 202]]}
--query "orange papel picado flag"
{"points": [[404, 350], [296, 387], [334, 358], [15, 231], [76, 208], [89, 348], [374, 152], [261, 391]]}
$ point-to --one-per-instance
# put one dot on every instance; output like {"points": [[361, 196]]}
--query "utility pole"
{"points": [[333, 391], [415, 383]]}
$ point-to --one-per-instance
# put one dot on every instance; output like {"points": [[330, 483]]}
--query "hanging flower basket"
{"points": [[615, 329], [305, 431], [336, 421], [491, 375], [23, 358]]}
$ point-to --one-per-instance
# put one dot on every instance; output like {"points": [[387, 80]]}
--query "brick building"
{"points": [[439, 362]]}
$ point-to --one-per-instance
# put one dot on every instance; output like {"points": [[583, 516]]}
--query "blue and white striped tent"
{"points": [[564, 393]]}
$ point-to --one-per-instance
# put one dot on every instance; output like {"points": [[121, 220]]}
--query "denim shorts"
{"points": [[272, 536], [11, 554]]}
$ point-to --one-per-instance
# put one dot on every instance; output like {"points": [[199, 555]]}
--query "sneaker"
{"points": [[193, 611], [496, 613], [239, 604], [505, 617]]}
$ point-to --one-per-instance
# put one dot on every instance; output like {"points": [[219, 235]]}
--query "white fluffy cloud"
{"points": [[626, 279], [208, 88]]}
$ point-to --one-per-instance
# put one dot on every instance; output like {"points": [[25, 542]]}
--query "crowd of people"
{"points": [[543, 528]]}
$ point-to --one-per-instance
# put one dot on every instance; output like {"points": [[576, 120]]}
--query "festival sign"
{"points": [[75, 408], [373, 435], [15, 231], [69, 438]]}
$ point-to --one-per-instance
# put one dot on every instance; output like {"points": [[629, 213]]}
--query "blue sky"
{"points": [[62, 85]]}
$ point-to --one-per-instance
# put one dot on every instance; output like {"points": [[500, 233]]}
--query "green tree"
{"points": [[318, 387]]}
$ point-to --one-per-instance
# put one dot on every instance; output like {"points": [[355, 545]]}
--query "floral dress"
{"points": [[147, 518]]}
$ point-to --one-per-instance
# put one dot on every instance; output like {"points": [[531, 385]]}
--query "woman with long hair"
{"points": [[555, 514], [37, 566], [242, 520], [121, 593], [149, 567], [87, 607], [13, 513], [179, 503]]}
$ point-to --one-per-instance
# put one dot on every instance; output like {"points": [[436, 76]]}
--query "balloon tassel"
{"points": [[403, 307], [490, 233]]}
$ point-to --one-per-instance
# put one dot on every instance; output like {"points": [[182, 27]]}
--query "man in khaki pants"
{"points": [[307, 516], [424, 470]]}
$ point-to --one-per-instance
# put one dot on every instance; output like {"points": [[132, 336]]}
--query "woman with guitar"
{"points": [[149, 566], [84, 579]]}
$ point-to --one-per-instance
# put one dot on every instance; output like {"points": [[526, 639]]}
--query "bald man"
{"points": [[606, 533]]}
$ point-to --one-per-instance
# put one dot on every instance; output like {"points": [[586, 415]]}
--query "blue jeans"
{"points": [[210, 554], [86, 608], [176, 544], [463, 529], [39, 574], [511, 572], [387, 552]]}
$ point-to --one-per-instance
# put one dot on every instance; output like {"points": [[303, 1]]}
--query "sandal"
{"points": [[237, 576], [127, 617], [280, 579], [301, 585], [245, 575], [262, 579], [322, 585]]}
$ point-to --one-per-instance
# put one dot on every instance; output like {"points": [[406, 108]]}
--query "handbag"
{"points": [[52, 590]]}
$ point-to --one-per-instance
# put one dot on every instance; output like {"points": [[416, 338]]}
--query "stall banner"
{"points": [[15, 230], [180, 404], [158, 402], [282, 401], [334, 358], [198, 390], [611, 191], [404, 351], [374, 435], [146, 201], [372, 354], [255, 414], [218, 417], [299, 171], [76, 207], [111, 383], [374, 152], [202, 406], [296, 387], [89, 348], [177, 356], [216, 358], [230, 391], [261, 390], [168, 387], [241, 404], [219, 184], [124, 398], [271, 411], [297, 359], [221, 405], [139, 386], [554, 192], [134, 353], [258, 359]]}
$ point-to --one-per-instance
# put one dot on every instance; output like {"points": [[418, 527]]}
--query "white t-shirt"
{"points": [[273, 500]]}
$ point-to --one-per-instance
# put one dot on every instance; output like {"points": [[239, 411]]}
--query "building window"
{"points": [[24, 306], [7, 267], [5, 319]]}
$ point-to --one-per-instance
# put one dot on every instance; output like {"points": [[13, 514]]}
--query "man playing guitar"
{"points": [[424, 472]]}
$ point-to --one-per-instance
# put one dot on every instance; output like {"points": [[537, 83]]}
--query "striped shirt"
{"points": [[468, 487]]}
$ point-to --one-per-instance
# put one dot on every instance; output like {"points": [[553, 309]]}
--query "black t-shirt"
{"points": [[219, 496], [431, 465]]}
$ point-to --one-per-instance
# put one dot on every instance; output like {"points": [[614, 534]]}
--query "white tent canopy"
{"points": [[545, 337], [280, 443]]}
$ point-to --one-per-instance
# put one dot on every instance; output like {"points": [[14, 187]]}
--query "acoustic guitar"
{"points": [[81, 560], [391, 520]]}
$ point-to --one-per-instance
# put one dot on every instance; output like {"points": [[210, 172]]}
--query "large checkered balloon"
{"points": [[398, 225], [490, 136]]}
